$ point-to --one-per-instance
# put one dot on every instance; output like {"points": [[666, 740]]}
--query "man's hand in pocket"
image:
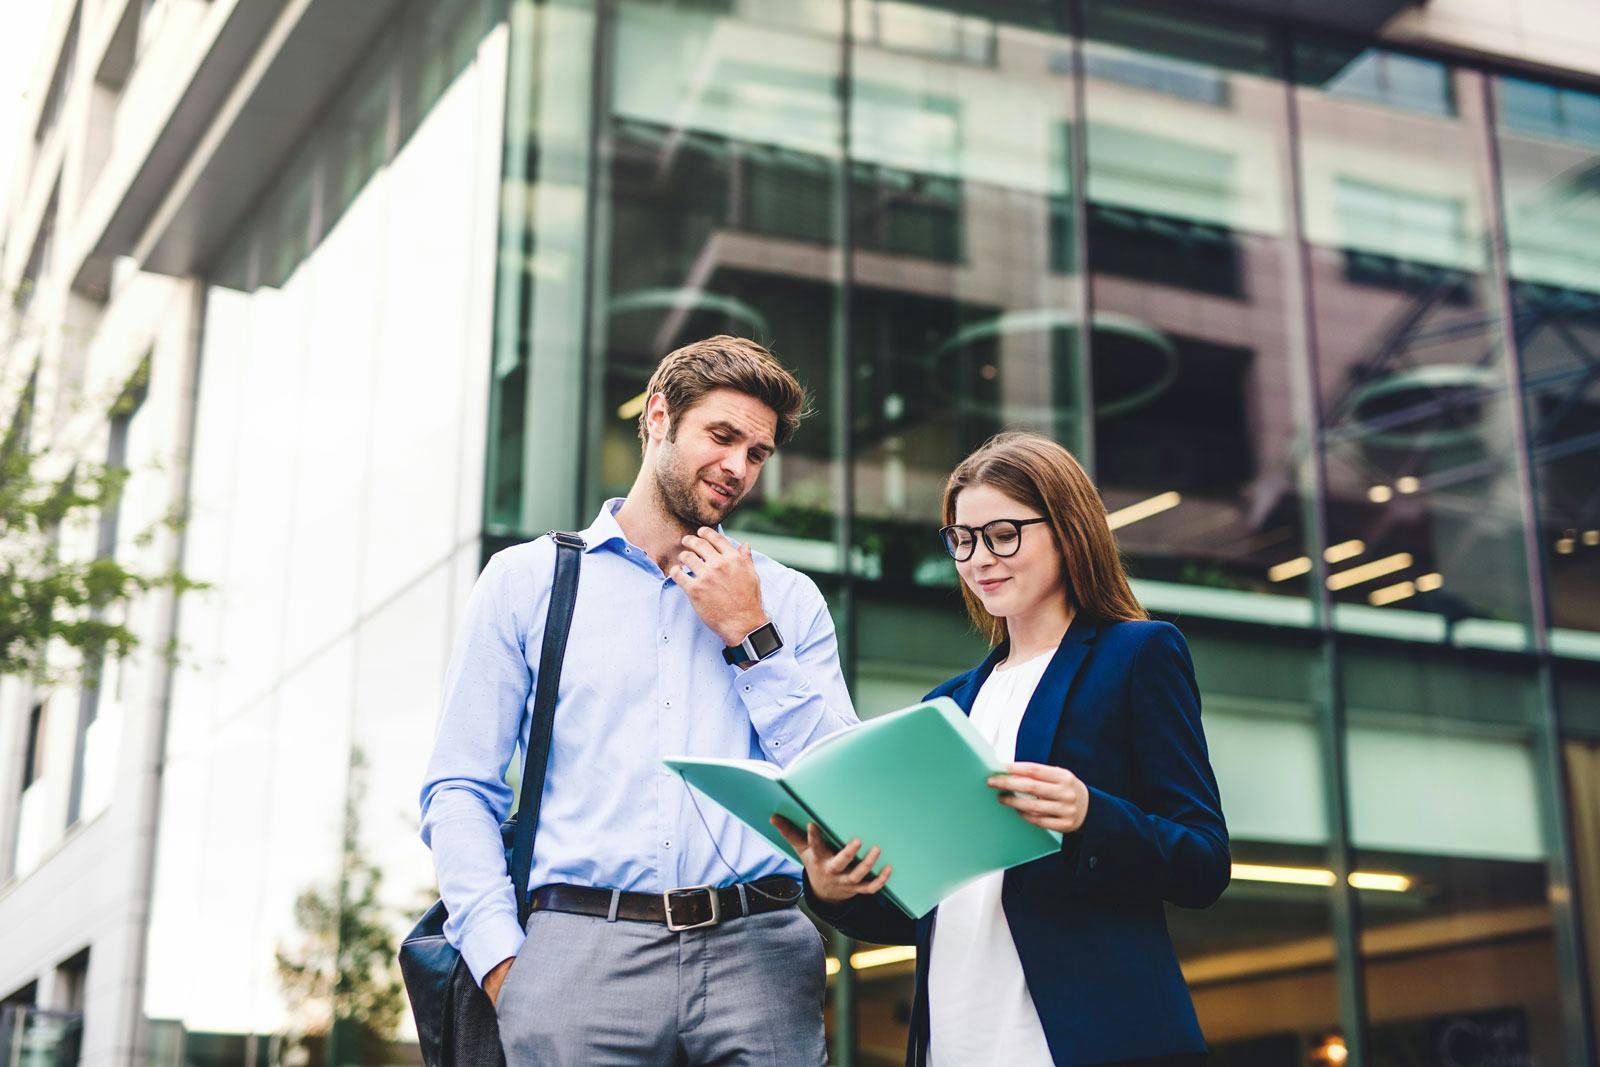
{"points": [[497, 978]]}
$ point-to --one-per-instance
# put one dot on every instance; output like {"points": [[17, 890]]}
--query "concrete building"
{"points": [[370, 289]]}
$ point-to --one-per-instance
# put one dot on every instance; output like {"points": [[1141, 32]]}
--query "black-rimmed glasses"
{"points": [[1003, 536]]}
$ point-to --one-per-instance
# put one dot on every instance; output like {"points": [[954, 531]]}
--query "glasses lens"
{"points": [[1004, 537], [957, 542]]}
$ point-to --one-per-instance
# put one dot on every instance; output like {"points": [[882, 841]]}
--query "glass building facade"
{"points": [[1321, 317]]}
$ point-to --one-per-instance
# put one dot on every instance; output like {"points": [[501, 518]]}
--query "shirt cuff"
{"points": [[768, 689], [490, 942]]}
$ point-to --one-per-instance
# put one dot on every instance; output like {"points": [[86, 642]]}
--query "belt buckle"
{"points": [[711, 896]]}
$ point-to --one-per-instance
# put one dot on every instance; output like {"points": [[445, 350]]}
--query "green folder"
{"points": [[913, 782]]}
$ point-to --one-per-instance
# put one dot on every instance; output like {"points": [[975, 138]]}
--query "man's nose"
{"points": [[736, 465]]}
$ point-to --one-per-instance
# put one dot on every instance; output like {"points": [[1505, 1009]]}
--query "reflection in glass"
{"points": [[338, 965], [1415, 411], [1578, 695], [920, 227], [1260, 962], [964, 316], [1197, 342], [1444, 793], [964, 307], [1549, 148], [724, 174]]}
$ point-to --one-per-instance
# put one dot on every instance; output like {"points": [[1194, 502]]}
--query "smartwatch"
{"points": [[757, 646]]}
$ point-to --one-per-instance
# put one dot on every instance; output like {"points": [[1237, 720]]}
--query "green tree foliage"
{"points": [[43, 597]]}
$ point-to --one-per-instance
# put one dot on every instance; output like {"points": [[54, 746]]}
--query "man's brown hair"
{"points": [[1034, 470], [686, 375]]}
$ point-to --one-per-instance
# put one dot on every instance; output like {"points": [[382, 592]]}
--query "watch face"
{"points": [[766, 641]]}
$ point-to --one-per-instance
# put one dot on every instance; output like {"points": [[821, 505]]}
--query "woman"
{"points": [[1066, 959]]}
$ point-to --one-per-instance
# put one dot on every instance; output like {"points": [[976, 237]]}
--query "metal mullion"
{"points": [[842, 364], [593, 334], [1561, 890], [1078, 164], [1345, 909], [843, 374]]}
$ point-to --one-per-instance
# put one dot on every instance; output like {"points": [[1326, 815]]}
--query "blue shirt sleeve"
{"points": [[464, 794], [797, 695]]}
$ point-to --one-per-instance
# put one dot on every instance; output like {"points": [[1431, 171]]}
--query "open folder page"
{"points": [[913, 782]]}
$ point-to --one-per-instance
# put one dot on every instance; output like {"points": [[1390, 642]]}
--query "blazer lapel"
{"points": [[967, 692], [1043, 717]]}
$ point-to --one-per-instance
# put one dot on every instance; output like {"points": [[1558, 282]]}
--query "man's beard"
{"points": [[680, 494]]}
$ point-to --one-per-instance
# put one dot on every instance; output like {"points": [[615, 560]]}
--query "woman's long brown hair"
{"points": [[1034, 470]]}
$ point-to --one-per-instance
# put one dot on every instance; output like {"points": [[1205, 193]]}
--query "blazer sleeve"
{"points": [[865, 918], [1174, 842], [872, 918]]}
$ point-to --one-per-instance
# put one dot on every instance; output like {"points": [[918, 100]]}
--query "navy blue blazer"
{"points": [[1118, 706]]}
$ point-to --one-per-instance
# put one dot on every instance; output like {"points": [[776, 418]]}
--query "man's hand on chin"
{"points": [[721, 582]]}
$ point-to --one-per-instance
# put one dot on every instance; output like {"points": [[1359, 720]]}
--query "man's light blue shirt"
{"points": [[643, 678]]}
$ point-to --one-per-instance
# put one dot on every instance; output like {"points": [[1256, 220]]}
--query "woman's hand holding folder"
{"points": [[1047, 796], [835, 876]]}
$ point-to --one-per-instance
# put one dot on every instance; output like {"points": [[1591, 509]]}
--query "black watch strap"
{"points": [[757, 646]]}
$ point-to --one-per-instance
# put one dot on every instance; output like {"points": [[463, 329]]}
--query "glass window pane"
{"points": [[1550, 182], [964, 307], [1578, 697], [1260, 962], [1422, 84], [1449, 817], [1580, 116], [1581, 759], [1415, 421], [723, 175], [1392, 80], [964, 317], [1528, 107], [1199, 360]]}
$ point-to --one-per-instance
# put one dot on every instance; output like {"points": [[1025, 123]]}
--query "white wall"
{"points": [[337, 508]]}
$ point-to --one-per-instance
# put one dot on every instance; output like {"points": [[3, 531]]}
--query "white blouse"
{"points": [[980, 1012]]}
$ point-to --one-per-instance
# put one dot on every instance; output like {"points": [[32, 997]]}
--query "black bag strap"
{"points": [[563, 595]]}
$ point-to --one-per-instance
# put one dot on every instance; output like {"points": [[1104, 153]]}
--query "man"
{"points": [[604, 972]]}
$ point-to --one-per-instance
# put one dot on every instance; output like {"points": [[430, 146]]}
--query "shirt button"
{"points": [[663, 639], [777, 744], [666, 844], [747, 689], [1093, 862], [668, 703]]}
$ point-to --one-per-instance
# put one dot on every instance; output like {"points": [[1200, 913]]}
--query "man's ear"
{"points": [[658, 419]]}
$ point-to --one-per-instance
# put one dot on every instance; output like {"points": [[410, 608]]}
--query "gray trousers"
{"points": [[586, 992]]}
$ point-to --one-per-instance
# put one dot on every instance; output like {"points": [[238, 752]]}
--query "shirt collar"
{"points": [[605, 530]]}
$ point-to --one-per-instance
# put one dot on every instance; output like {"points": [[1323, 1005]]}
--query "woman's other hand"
{"points": [[1051, 797], [835, 877]]}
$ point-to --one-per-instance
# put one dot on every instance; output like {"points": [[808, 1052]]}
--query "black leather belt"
{"points": [[689, 908]]}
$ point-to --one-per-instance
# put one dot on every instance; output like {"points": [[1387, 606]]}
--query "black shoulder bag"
{"points": [[456, 1023]]}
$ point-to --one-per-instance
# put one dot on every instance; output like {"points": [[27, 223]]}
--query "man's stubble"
{"points": [[678, 492]]}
